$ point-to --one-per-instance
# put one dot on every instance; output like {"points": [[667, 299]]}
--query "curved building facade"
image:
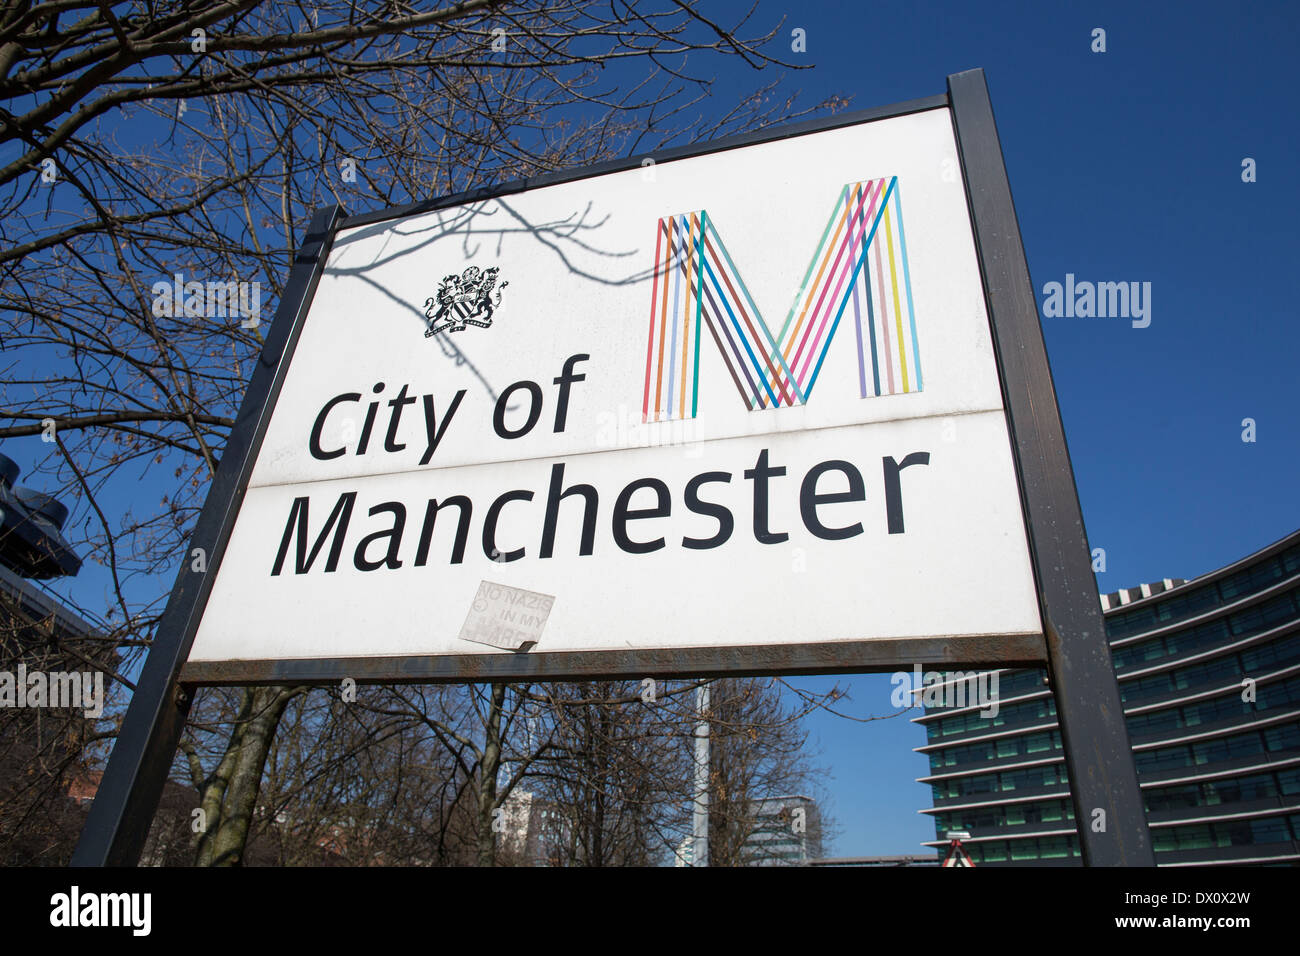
{"points": [[1209, 676]]}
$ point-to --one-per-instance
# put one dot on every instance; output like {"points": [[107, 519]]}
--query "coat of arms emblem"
{"points": [[464, 300]]}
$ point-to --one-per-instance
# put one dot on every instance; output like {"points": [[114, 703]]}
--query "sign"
{"points": [[744, 399], [779, 404], [957, 855]]}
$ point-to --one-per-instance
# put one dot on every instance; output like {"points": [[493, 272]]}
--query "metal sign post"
{"points": [[119, 818], [1007, 490], [1108, 808]]}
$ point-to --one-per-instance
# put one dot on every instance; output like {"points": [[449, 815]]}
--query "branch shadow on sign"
{"points": [[567, 239]]}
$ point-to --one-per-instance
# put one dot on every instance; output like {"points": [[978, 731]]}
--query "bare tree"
{"points": [[758, 758], [363, 780], [611, 790], [150, 147], [47, 753], [615, 780]]}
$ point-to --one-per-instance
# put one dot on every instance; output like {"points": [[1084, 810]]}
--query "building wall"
{"points": [[781, 831], [1219, 771], [44, 760]]}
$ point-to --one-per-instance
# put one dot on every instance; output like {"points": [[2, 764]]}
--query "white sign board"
{"points": [[747, 398]]}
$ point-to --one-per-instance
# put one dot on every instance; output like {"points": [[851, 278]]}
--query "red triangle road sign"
{"points": [[957, 856]]}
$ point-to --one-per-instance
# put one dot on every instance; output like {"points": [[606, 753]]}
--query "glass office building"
{"points": [[783, 828], [1209, 675]]}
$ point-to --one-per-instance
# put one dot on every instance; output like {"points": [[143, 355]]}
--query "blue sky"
{"points": [[1125, 166]]}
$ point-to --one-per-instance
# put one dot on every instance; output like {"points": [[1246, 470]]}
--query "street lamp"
{"points": [[31, 529]]}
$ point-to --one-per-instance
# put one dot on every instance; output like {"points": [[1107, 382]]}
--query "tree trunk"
{"points": [[487, 779], [230, 795]]}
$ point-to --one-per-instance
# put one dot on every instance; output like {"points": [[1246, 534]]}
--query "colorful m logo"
{"points": [[859, 269]]}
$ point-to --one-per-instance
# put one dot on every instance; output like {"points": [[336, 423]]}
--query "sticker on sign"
{"points": [[506, 617]]}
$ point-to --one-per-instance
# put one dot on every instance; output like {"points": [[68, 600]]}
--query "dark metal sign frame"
{"points": [[1107, 802]]}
